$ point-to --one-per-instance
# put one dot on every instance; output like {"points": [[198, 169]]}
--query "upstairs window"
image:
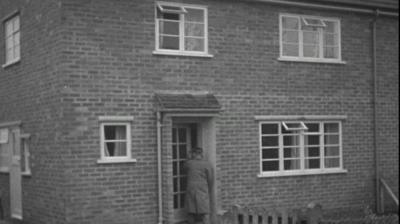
{"points": [[309, 38], [12, 38], [181, 28], [300, 147]]}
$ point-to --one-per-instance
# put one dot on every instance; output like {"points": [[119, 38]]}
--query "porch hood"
{"points": [[187, 102]]}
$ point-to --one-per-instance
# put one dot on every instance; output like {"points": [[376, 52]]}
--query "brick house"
{"points": [[293, 101]]}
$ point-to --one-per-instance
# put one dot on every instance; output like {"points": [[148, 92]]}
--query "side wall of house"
{"points": [[109, 69], [29, 93], [388, 101]]}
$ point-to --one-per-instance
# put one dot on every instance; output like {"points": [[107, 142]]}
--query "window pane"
{"points": [[290, 22], [115, 132], [9, 54], [290, 36], [170, 16], [182, 170], [270, 153], [291, 140], [291, 164], [269, 128], [331, 52], [182, 201], [194, 30], [310, 37], [174, 168], [194, 15], [331, 40], [183, 151], [311, 51], [270, 165], [332, 162], [183, 182], [182, 135], [194, 44], [16, 52], [312, 164], [9, 28], [9, 42], [16, 23], [290, 50], [311, 140], [176, 187], [331, 139], [174, 152], [331, 27], [270, 141], [171, 43], [332, 151], [291, 152], [331, 128], [169, 27], [115, 149], [311, 151], [176, 201], [312, 127], [313, 21]]}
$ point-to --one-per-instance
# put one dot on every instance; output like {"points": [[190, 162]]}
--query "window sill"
{"points": [[301, 173], [11, 63], [26, 174], [4, 170], [182, 53], [312, 60], [119, 160]]}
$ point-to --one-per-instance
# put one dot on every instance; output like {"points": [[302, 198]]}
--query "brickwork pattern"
{"points": [[106, 67]]}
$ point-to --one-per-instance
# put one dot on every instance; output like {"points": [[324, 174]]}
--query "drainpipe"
{"points": [[375, 97], [160, 200]]}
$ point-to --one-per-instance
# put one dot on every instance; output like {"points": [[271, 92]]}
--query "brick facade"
{"points": [[83, 59]]}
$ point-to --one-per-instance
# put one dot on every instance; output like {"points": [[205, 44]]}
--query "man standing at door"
{"points": [[200, 181]]}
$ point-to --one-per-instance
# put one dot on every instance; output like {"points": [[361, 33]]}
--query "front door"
{"points": [[181, 144], [15, 174]]}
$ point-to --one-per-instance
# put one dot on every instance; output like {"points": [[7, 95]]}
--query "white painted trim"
{"points": [[116, 118], [116, 160], [10, 124], [4, 169], [332, 7], [14, 61], [183, 53], [19, 217], [128, 157], [299, 117], [309, 60], [301, 173]]}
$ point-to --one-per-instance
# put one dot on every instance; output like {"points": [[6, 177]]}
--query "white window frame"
{"points": [[300, 57], [302, 170], [14, 32], [181, 51], [116, 121]]}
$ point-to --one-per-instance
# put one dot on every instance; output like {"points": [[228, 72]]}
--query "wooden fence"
{"points": [[247, 215]]}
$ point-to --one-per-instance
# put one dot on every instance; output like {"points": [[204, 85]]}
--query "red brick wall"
{"points": [[29, 92], [107, 68]]}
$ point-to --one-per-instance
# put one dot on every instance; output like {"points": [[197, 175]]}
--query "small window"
{"points": [[115, 139], [12, 40], [307, 38], [181, 28]]}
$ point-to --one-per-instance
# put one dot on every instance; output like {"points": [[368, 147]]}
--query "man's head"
{"points": [[197, 152]]}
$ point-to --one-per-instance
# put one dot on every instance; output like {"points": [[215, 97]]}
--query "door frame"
{"points": [[206, 136]]}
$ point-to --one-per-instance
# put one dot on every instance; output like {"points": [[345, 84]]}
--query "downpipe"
{"points": [[159, 169], [375, 97]]}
